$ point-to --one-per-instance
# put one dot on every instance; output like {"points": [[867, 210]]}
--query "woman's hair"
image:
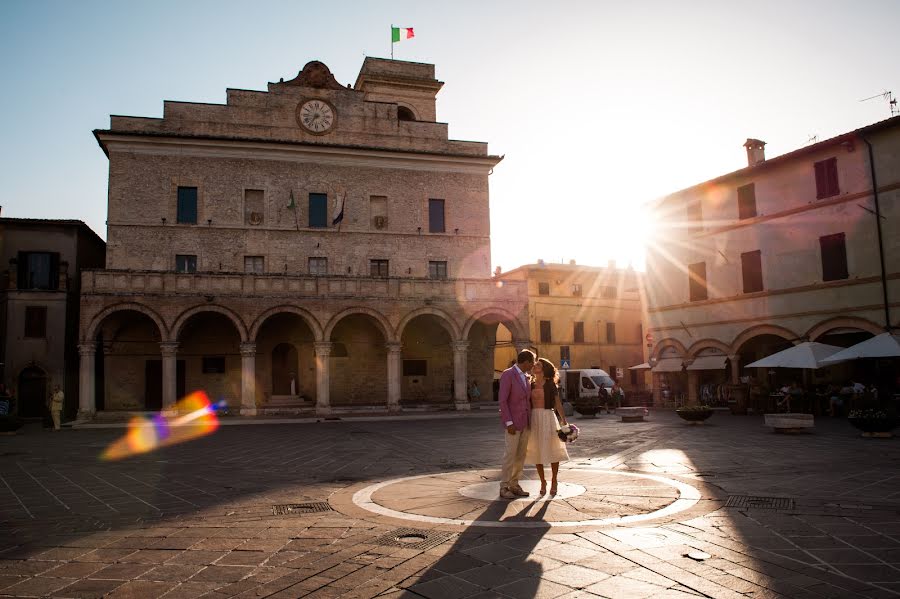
{"points": [[549, 370]]}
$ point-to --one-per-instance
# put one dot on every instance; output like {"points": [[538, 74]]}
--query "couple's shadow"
{"points": [[496, 554]]}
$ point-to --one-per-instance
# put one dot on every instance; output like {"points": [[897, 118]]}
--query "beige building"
{"points": [[785, 250], [39, 307], [585, 316], [312, 246]]}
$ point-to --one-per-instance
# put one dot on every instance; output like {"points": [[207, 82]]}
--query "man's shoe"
{"points": [[519, 492], [506, 494]]}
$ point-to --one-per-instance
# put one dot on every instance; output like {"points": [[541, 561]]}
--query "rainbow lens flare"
{"points": [[194, 417]]}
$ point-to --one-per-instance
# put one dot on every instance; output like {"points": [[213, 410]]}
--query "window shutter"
{"points": [[318, 210]]}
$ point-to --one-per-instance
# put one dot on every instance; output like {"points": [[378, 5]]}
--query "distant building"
{"points": [[782, 251], [581, 316], [308, 247], [39, 308]]}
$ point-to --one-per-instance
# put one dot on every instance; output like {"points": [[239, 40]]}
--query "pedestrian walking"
{"points": [[56, 405]]}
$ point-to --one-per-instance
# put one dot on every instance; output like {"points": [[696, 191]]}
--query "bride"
{"points": [[544, 445]]}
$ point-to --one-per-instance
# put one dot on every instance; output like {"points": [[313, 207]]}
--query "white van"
{"points": [[584, 383]]}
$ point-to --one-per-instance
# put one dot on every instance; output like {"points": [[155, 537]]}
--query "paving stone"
{"points": [[445, 587], [490, 576], [36, 587], [122, 571], [222, 573], [87, 589], [537, 588], [141, 589], [575, 576]]}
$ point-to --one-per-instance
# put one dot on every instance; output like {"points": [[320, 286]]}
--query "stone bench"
{"points": [[631, 414], [790, 423]]}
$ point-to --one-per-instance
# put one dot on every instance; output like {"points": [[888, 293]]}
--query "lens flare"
{"points": [[194, 417]]}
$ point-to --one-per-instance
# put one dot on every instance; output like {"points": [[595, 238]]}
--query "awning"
{"points": [[644, 366], [668, 365], [708, 363]]}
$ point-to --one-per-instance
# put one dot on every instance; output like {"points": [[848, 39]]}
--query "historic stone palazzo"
{"points": [[311, 246]]}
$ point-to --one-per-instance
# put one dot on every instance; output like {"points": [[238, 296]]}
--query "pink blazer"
{"points": [[514, 399]]}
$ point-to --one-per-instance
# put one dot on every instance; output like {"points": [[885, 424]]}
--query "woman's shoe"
{"points": [[543, 490], [553, 489]]}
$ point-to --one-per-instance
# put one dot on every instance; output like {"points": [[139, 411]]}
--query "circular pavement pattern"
{"points": [[589, 497]]}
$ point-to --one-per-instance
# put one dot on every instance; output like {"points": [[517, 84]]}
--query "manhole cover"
{"points": [[413, 538], [301, 508], [755, 501]]}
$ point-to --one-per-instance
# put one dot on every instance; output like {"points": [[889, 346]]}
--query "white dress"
{"points": [[544, 445]]}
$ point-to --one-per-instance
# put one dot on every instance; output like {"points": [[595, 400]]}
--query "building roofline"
{"points": [[547, 266], [61, 222]]}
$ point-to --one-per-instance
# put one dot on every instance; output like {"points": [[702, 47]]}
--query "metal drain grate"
{"points": [[756, 501], [413, 538], [301, 508]]}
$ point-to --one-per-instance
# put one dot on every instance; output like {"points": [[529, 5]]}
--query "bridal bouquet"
{"points": [[568, 433]]}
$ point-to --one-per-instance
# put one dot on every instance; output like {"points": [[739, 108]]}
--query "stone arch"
{"points": [[445, 320], [506, 317], [699, 346], [840, 322], [91, 332], [386, 328], [405, 112], [311, 321], [669, 342], [200, 308], [764, 329]]}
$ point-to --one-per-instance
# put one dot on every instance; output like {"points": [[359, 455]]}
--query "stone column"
{"points": [[656, 379], [460, 384], [394, 357], [86, 382], [169, 351], [323, 380], [248, 379], [693, 396], [735, 361]]}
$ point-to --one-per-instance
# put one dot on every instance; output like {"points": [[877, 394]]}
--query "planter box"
{"points": [[587, 408], [879, 426], [634, 414], [694, 415], [790, 423]]}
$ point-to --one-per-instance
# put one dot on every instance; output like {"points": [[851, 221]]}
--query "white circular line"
{"points": [[688, 497]]}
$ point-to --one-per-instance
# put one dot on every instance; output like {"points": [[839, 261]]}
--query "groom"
{"points": [[515, 410]]}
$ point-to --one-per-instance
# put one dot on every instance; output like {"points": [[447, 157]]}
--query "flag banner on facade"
{"points": [[401, 33], [340, 215], [292, 204]]}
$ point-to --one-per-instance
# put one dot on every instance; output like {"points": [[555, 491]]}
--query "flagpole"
{"points": [[392, 41]]}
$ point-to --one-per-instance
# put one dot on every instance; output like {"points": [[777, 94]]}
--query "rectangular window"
{"points": [[576, 289], [318, 266], [751, 267], [36, 322], [834, 257], [695, 215], [608, 292], [545, 331], [634, 377], [826, 178], [697, 281], [185, 263], [187, 206], [378, 211], [437, 270], [610, 332], [436, 216], [254, 206], [213, 364], [318, 210], [38, 270], [255, 264], [746, 201], [543, 288], [579, 332], [378, 268], [415, 368], [564, 355]]}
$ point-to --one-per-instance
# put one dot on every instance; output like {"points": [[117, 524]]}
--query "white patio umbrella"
{"points": [[884, 345], [805, 355]]}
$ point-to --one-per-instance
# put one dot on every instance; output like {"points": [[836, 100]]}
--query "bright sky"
{"points": [[599, 106]]}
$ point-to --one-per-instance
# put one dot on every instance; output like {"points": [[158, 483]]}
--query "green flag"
{"points": [[292, 204]]}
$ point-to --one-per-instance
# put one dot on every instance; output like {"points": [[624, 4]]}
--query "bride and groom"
{"points": [[528, 395]]}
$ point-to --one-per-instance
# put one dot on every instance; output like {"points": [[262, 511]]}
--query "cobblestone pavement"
{"points": [[404, 513]]}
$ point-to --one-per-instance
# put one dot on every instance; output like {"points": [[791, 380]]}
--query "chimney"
{"points": [[756, 151]]}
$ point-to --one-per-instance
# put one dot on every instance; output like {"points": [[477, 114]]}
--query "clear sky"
{"points": [[598, 106]]}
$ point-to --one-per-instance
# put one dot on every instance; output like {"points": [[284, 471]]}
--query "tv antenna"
{"points": [[891, 100]]}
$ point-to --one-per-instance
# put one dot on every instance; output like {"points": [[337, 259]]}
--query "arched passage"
{"points": [[358, 360], [32, 391], [757, 343], [286, 363], [493, 337], [209, 355], [427, 359]]}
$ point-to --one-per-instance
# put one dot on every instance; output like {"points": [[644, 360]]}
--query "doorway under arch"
{"points": [[32, 390], [285, 365]]}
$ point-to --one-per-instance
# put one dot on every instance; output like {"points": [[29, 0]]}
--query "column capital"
{"points": [[168, 348], [248, 348], [459, 346], [87, 349], [394, 347], [734, 357], [323, 348]]}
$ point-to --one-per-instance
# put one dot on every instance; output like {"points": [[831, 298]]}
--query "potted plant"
{"points": [[695, 413], [873, 421]]}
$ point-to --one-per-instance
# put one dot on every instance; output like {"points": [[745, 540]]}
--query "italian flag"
{"points": [[401, 33]]}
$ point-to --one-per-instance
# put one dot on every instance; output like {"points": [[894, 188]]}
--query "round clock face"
{"points": [[316, 116]]}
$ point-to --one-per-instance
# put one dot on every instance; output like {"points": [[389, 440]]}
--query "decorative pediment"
{"points": [[315, 74]]}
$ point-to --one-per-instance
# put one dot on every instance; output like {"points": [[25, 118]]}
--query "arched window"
{"points": [[405, 114]]}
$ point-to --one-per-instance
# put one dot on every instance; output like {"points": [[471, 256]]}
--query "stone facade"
{"points": [[594, 313], [39, 307], [783, 251], [280, 264]]}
